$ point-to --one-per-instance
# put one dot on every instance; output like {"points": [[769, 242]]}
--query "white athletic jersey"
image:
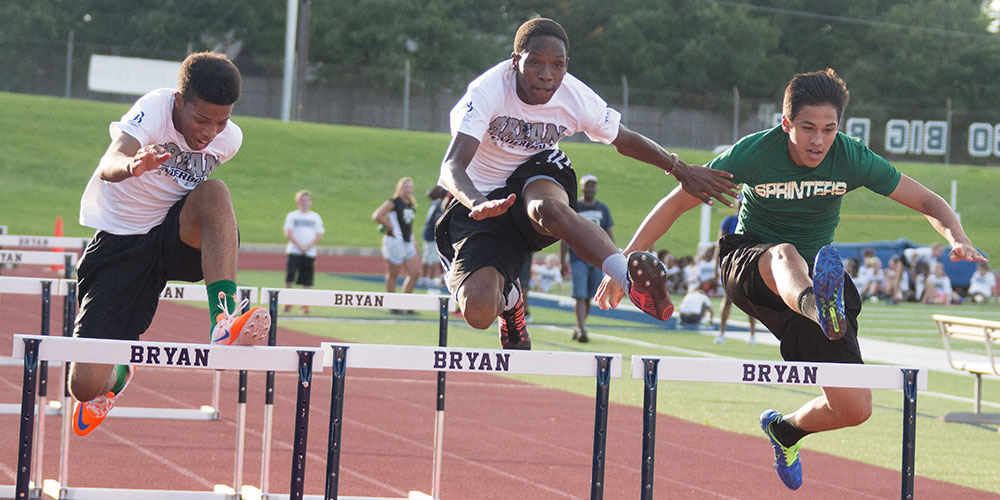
{"points": [[510, 131], [138, 204], [304, 228]]}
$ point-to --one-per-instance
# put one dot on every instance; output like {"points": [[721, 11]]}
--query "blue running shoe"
{"points": [[828, 285], [786, 460]]}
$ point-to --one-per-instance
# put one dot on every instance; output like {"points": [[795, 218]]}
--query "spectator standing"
{"points": [[303, 230], [395, 218], [547, 274], [586, 277], [728, 226], [431, 269]]}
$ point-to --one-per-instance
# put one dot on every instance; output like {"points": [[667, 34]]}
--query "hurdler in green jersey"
{"points": [[780, 267], [789, 203]]}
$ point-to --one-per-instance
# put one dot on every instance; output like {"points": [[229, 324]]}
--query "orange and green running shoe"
{"points": [[87, 415]]}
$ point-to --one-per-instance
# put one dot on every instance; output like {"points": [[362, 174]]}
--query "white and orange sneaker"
{"points": [[233, 328], [87, 415]]}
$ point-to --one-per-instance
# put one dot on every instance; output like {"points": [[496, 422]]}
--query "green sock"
{"points": [[227, 286], [120, 374]]}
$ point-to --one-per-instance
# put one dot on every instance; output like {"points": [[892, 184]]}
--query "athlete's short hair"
{"points": [[813, 89], [301, 193], [537, 27], [211, 77]]}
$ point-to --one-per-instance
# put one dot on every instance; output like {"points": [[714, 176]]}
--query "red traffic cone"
{"points": [[58, 232]]}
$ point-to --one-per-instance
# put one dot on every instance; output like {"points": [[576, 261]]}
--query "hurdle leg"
{"points": [[439, 415], [336, 421], [241, 428], [21, 489], [301, 426], [648, 428], [600, 427], [265, 454], [67, 425], [69, 315], [43, 391], [909, 430]]}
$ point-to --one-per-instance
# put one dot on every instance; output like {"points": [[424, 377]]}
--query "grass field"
{"points": [[51, 146]]}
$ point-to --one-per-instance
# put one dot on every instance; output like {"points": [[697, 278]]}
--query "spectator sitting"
{"points": [[897, 281], [871, 273], [938, 287], [851, 268], [920, 272], [695, 306], [689, 271], [708, 272], [982, 284], [674, 279], [547, 275], [914, 256]]}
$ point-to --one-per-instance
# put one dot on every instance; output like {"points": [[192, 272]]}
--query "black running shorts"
{"points": [[801, 339], [120, 278], [465, 245], [302, 266]]}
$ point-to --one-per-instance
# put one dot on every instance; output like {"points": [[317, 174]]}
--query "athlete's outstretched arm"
{"points": [[942, 218], [454, 178], [125, 159], [656, 224], [703, 183]]}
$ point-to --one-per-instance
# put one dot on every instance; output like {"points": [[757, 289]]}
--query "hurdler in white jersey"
{"points": [[511, 131], [137, 204], [159, 218], [515, 191]]}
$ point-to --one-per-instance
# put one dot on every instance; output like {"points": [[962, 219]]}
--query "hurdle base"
{"points": [[414, 495], [206, 412], [972, 418], [15, 409], [53, 489], [10, 491]]}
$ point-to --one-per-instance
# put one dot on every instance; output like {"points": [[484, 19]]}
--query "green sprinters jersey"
{"points": [[787, 203]]}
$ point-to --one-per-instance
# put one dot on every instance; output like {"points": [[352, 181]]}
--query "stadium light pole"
{"points": [[286, 85]]}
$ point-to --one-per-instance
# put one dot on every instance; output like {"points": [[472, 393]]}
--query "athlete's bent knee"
{"points": [[480, 314]]}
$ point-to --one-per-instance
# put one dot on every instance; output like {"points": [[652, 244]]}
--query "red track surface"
{"points": [[502, 439]]}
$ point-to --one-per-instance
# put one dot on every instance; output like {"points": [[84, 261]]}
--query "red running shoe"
{"points": [[513, 328], [648, 285]]}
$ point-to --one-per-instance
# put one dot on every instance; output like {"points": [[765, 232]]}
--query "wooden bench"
{"points": [[968, 330]]}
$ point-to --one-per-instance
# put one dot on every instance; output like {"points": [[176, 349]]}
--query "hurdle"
{"points": [[340, 356], [33, 348], [362, 300], [45, 288], [736, 371], [25, 241]]}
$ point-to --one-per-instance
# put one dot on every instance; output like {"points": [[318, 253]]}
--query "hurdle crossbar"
{"points": [[341, 356], [276, 297], [24, 241], [738, 371], [33, 348]]}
